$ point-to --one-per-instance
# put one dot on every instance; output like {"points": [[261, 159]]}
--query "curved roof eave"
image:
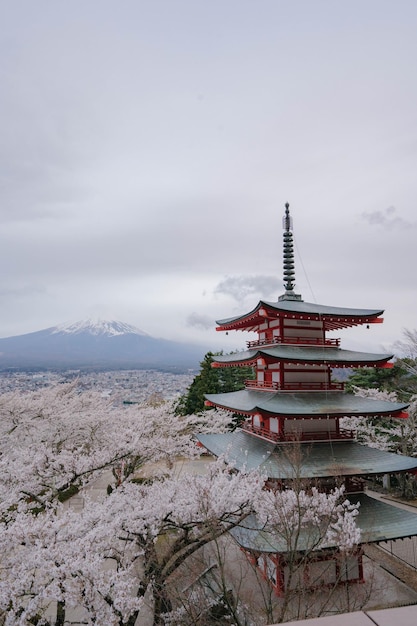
{"points": [[238, 318], [299, 307], [304, 404], [313, 354], [243, 450]]}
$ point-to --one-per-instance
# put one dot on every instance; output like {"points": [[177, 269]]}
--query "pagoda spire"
{"points": [[289, 271]]}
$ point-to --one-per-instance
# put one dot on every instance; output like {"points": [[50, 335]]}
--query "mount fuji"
{"points": [[99, 344]]}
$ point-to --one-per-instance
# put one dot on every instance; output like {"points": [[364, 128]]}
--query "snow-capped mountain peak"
{"points": [[107, 328], [96, 344]]}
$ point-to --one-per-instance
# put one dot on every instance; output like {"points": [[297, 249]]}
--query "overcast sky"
{"points": [[147, 149]]}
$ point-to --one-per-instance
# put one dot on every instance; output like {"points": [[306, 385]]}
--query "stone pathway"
{"points": [[393, 566]]}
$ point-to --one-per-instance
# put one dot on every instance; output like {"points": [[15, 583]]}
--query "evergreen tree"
{"points": [[211, 380], [374, 378], [399, 378]]}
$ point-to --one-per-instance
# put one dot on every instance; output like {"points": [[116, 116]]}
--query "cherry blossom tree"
{"points": [[408, 345], [57, 438], [305, 522], [301, 523], [107, 559], [391, 434], [104, 558], [110, 562]]}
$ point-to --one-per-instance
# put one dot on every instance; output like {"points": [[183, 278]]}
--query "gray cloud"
{"points": [[240, 287], [136, 174], [21, 292], [200, 321], [387, 218]]}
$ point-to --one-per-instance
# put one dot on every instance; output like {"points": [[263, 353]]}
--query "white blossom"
{"points": [[103, 558]]}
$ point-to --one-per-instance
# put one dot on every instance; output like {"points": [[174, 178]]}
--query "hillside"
{"points": [[103, 344]]}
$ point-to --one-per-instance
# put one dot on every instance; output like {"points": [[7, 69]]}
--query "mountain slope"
{"points": [[103, 344]]}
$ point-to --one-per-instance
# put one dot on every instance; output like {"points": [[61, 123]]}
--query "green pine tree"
{"points": [[211, 380], [397, 379]]}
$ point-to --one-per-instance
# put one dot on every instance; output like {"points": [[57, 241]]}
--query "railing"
{"points": [[254, 384], [298, 436], [297, 386], [300, 386], [310, 341], [320, 435], [261, 432]]}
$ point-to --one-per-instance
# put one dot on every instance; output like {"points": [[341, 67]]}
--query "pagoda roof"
{"points": [[336, 357], [333, 317], [378, 521], [304, 404], [311, 460]]}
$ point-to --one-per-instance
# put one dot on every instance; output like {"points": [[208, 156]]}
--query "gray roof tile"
{"points": [[377, 520], [313, 460], [304, 404]]}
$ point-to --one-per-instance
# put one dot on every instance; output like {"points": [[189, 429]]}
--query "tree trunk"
{"points": [[162, 604], [60, 614]]}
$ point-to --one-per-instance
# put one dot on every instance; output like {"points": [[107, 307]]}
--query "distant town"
{"points": [[119, 385]]}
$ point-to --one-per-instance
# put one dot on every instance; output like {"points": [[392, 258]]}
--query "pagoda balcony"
{"points": [[290, 387], [264, 433], [310, 341]]}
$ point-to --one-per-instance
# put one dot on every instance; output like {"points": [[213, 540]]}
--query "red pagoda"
{"points": [[293, 401]]}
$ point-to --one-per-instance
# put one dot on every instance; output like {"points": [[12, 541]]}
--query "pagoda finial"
{"points": [[287, 221], [289, 273]]}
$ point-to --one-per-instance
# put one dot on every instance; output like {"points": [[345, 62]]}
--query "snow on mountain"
{"points": [[111, 328], [96, 344]]}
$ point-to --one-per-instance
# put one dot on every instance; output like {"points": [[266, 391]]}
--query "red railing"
{"points": [[297, 386], [254, 384], [320, 435], [316, 341], [298, 436], [261, 432]]}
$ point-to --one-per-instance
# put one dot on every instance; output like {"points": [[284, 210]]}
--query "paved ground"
{"points": [[393, 566], [402, 616]]}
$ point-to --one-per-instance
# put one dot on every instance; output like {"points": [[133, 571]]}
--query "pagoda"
{"points": [[294, 405]]}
